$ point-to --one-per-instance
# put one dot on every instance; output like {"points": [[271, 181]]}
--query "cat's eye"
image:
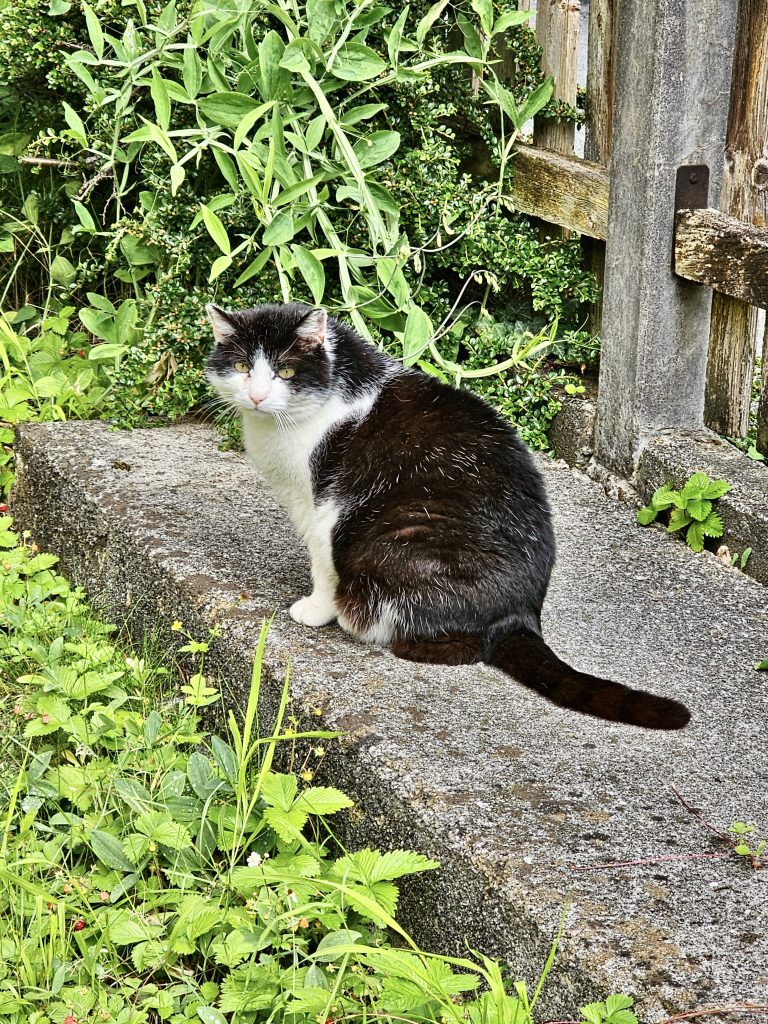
{"points": [[241, 367], [286, 372]]}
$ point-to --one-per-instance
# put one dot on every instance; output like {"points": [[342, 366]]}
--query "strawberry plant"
{"points": [[690, 510]]}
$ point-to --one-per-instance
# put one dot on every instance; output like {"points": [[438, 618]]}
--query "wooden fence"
{"points": [[672, 201]]}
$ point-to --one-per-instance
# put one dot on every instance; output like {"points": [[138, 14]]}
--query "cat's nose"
{"points": [[257, 397]]}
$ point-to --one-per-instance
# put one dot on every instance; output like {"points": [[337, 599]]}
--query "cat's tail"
{"points": [[529, 660]]}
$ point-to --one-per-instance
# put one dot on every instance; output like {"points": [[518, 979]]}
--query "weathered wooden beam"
{"points": [[733, 331], [724, 253], [557, 33], [601, 75], [762, 405], [673, 69], [562, 190]]}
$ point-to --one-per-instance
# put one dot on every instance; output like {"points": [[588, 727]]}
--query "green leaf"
{"points": [[713, 525], [216, 229], [503, 97], [178, 174], [376, 148], [219, 265], [356, 62], [362, 113], [280, 230], [229, 108], [94, 31], [429, 19], [30, 208], [664, 497], [274, 79], [192, 69], [110, 851], [162, 101], [294, 192], [484, 10], [254, 267], [84, 216], [279, 790], [698, 508], [76, 126], [210, 1015], [418, 332], [154, 133], [321, 19], [295, 58], [646, 515], [762, 666], [753, 453], [327, 948], [249, 120], [127, 928], [311, 270], [58, 7], [511, 19], [539, 98], [395, 37], [678, 520], [695, 536], [323, 800], [716, 489], [62, 271], [695, 486]]}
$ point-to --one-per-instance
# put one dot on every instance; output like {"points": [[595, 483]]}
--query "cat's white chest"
{"points": [[283, 455]]}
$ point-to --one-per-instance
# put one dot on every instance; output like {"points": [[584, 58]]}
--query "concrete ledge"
{"points": [[507, 791], [673, 458]]}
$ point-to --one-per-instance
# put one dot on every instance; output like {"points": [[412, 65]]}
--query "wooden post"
{"points": [[673, 72], [601, 73], [744, 195], [762, 406], [557, 33]]}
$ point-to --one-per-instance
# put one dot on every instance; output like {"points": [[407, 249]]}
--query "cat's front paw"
{"points": [[313, 611]]}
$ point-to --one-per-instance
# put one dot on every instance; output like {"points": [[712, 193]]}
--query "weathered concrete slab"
{"points": [[507, 791], [672, 458]]}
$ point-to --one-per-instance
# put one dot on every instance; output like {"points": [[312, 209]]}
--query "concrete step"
{"points": [[510, 793]]}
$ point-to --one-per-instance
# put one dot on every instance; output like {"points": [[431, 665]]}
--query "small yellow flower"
{"points": [[307, 775], [177, 626]]}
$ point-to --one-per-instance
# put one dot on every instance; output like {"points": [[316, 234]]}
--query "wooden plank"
{"points": [[733, 330], [762, 405], [557, 33], [724, 253], [673, 69], [601, 74], [562, 190]]}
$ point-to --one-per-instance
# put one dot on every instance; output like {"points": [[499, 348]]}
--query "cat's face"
{"points": [[272, 360]]}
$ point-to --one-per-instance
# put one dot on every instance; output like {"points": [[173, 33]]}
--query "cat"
{"points": [[426, 519]]}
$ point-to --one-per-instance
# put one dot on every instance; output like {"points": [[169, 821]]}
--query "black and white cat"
{"points": [[426, 520]]}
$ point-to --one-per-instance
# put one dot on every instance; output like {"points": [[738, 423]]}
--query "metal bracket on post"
{"points": [[691, 193]]}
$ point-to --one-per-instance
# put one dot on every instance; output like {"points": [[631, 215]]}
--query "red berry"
{"points": [[3, 508], [78, 925], [70, 1020]]}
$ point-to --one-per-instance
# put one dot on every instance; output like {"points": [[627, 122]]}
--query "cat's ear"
{"points": [[312, 330], [223, 323]]}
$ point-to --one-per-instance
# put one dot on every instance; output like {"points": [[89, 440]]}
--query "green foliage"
{"points": [[151, 871], [335, 149], [741, 830], [691, 509]]}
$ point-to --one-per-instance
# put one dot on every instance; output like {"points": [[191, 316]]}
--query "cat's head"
{"points": [[271, 360]]}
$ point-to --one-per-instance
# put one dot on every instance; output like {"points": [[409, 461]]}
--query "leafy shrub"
{"points": [[149, 871], [307, 137], [690, 509]]}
